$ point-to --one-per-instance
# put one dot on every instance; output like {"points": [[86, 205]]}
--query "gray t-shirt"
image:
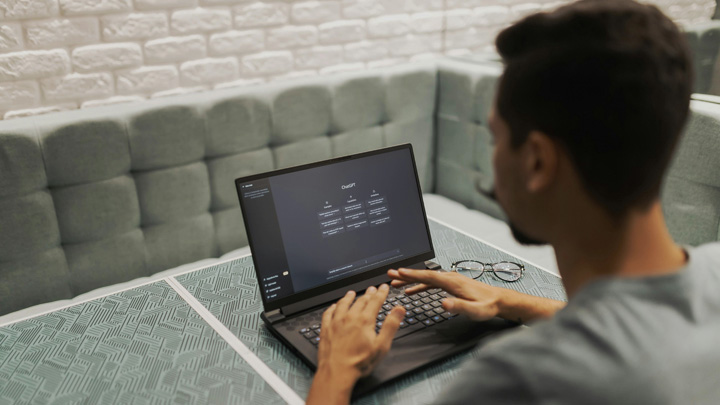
{"points": [[650, 340]]}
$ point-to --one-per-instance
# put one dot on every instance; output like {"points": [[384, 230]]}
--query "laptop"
{"points": [[318, 230]]}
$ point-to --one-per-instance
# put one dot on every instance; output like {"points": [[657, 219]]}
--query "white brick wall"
{"points": [[57, 55]]}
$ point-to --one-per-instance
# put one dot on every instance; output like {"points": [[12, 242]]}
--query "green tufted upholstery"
{"points": [[96, 197]]}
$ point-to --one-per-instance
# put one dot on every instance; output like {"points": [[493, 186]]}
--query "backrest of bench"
{"points": [[94, 197]]}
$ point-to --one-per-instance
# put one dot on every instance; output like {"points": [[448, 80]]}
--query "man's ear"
{"points": [[541, 159]]}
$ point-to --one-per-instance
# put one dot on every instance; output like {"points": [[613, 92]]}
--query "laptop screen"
{"points": [[316, 224]]}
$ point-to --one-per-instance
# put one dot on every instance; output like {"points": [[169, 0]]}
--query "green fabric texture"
{"points": [[464, 144], [94, 197], [704, 42], [691, 192]]}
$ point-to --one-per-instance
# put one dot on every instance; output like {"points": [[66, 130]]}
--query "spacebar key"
{"points": [[410, 329]]}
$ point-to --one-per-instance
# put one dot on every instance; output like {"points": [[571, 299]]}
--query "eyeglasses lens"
{"points": [[470, 269], [508, 271]]}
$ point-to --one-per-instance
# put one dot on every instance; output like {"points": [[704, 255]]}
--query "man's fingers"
{"points": [[361, 302], [344, 303], [468, 308], [417, 288], [389, 328], [376, 301], [446, 281], [327, 318]]}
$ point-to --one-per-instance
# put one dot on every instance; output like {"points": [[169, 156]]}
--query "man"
{"points": [[588, 112]]}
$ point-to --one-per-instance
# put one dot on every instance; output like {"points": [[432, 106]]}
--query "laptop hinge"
{"points": [[274, 316]]}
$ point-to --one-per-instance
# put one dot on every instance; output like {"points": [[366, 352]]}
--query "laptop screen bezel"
{"points": [[325, 288]]}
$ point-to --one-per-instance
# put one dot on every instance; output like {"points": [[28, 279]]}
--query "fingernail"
{"points": [[403, 270], [350, 293], [384, 287], [392, 272], [371, 290]]}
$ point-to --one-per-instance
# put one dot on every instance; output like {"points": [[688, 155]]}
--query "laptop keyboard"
{"points": [[422, 310]]}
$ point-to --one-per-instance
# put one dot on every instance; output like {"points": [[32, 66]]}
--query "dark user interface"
{"points": [[320, 225]]}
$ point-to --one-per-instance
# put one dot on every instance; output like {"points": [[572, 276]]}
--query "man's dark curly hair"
{"points": [[611, 81]]}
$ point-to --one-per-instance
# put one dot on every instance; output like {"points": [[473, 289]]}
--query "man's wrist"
{"points": [[339, 375]]}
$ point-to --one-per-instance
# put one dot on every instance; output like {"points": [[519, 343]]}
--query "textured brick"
{"points": [[427, 22], [175, 49], [292, 36], [345, 67], [409, 45], [15, 95], [385, 62], [519, 11], [423, 5], [39, 110], [234, 42], [106, 57], [310, 12], [147, 80], [134, 26], [458, 19], [179, 91], [362, 8], [163, 4], [111, 100], [318, 56], [33, 64], [200, 20], [467, 38], [64, 31], [364, 51], [20, 9], [342, 31], [10, 37], [267, 62], [297, 74], [77, 86], [261, 14], [210, 70], [388, 26], [75, 7], [240, 83], [490, 16]]}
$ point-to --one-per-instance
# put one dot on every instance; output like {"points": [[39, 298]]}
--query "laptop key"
{"points": [[387, 307], [438, 318], [429, 322], [315, 340], [418, 310], [434, 290], [315, 326], [417, 303], [426, 300], [309, 335], [447, 315], [435, 297], [411, 321], [423, 294], [381, 317], [391, 299], [409, 307], [436, 303], [439, 310], [403, 324], [304, 330], [421, 317], [406, 300], [443, 294]]}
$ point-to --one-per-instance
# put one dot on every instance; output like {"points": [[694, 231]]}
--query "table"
{"points": [[163, 342]]}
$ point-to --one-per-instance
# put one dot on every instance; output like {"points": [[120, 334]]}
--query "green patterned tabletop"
{"points": [[147, 345], [229, 291], [141, 346]]}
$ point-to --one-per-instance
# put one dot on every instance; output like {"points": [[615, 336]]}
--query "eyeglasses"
{"points": [[505, 271]]}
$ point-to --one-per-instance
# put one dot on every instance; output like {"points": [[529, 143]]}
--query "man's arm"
{"points": [[475, 299], [349, 347]]}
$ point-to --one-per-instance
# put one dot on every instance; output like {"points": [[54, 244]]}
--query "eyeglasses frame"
{"points": [[454, 264]]}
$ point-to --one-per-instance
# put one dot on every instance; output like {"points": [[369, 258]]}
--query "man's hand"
{"points": [[349, 347], [474, 299]]}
